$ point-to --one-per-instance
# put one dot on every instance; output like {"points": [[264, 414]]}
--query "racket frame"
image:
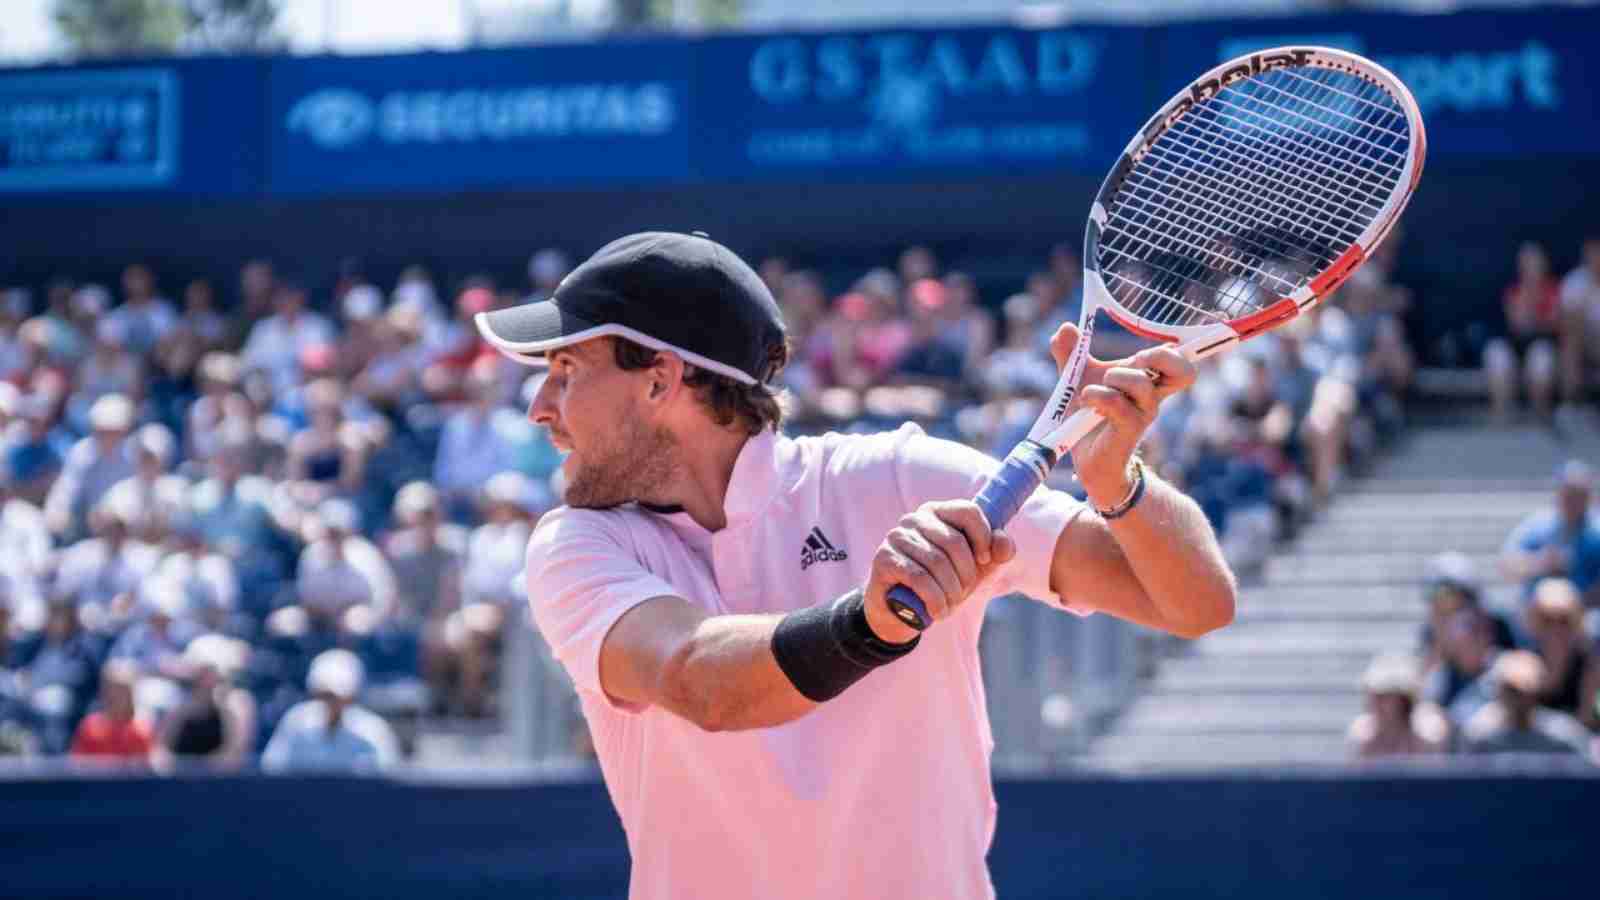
{"points": [[1056, 432]]}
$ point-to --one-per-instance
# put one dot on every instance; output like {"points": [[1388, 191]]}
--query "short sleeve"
{"points": [[929, 468], [1527, 537], [581, 579], [1574, 290]]}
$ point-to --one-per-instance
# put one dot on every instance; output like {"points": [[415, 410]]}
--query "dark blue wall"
{"points": [[1249, 837]]}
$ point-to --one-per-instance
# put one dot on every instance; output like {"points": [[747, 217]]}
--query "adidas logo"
{"points": [[817, 549]]}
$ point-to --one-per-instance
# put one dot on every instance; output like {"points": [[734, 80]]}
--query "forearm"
{"points": [[1170, 550], [1521, 565], [724, 677]]}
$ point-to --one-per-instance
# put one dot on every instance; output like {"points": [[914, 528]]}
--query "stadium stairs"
{"points": [[1281, 685]]}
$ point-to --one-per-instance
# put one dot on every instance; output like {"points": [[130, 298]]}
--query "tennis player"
{"points": [[766, 726]]}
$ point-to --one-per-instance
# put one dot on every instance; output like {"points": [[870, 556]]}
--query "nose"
{"points": [[542, 411]]}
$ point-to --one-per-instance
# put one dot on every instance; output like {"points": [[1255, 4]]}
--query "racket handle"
{"points": [[1002, 496]]}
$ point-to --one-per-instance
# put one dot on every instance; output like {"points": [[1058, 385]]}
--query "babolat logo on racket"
{"points": [[1074, 373], [817, 549], [1202, 91]]}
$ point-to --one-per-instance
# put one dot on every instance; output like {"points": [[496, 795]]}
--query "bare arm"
{"points": [[1159, 565], [716, 671], [720, 673]]}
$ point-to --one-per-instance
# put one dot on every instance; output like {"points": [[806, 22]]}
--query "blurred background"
{"points": [[257, 469]]}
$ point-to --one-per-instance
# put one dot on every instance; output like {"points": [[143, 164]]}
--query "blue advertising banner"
{"points": [[1489, 83], [185, 127], [109, 129], [530, 116], [918, 101]]}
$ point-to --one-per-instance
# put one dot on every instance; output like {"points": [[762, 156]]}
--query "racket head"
{"points": [[1252, 194]]}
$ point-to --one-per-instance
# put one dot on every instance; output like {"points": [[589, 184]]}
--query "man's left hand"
{"points": [[1126, 393]]}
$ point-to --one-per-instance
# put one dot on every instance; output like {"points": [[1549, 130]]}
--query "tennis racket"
{"points": [[1251, 195]]}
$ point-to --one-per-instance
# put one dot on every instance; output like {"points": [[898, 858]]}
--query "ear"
{"points": [[664, 378]]}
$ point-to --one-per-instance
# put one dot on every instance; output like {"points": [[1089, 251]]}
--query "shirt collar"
{"points": [[752, 487], [756, 477]]}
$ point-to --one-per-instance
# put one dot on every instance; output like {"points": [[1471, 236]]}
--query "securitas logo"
{"points": [[340, 118], [818, 548]]}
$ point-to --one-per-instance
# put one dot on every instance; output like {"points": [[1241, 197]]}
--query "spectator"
{"points": [[13, 358], [157, 495], [94, 464], [155, 645], [144, 318], [215, 725], [232, 509], [361, 315], [1572, 667], [219, 377], [104, 572], [329, 457], [258, 285], [202, 329], [39, 450], [804, 302], [60, 678], [1526, 356], [208, 580], [545, 271], [459, 348], [113, 733], [277, 342], [1560, 542], [1450, 586], [90, 304], [24, 540], [414, 295], [427, 555], [476, 443], [1463, 682], [1395, 724], [392, 379], [489, 584], [58, 335], [933, 357], [968, 326], [110, 369], [868, 339], [917, 263], [339, 568], [1580, 328], [330, 733], [1515, 722]]}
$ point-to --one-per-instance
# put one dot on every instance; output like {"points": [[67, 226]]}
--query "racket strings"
{"points": [[1367, 170], [1292, 191], [1176, 174], [1255, 191], [1309, 164]]}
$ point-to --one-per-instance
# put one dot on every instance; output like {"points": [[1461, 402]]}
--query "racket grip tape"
{"points": [[1024, 469]]}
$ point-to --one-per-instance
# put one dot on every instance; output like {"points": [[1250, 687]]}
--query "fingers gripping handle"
{"points": [[1021, 473]]}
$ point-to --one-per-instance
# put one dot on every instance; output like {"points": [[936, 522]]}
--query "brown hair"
{"points": [[752, 406]]}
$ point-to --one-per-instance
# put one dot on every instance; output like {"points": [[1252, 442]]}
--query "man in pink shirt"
{"points": [[767, 727]]}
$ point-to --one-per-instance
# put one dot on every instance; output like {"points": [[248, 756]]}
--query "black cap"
{"points": [[683, 293]]}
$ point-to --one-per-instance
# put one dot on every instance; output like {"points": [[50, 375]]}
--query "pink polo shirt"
{"points": [[881, 792]]}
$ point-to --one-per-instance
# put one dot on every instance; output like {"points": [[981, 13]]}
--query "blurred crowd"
{"points": [[1549, 348], [1516, 677], [283, 526]]}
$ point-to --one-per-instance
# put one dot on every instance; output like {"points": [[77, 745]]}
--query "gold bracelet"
{"points": [[1135, 492]]}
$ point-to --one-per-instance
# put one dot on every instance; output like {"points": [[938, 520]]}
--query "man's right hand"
{"points": [[941, 551]]}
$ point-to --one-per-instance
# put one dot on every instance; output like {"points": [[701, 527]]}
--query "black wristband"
{"points": [[823, 649]]}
